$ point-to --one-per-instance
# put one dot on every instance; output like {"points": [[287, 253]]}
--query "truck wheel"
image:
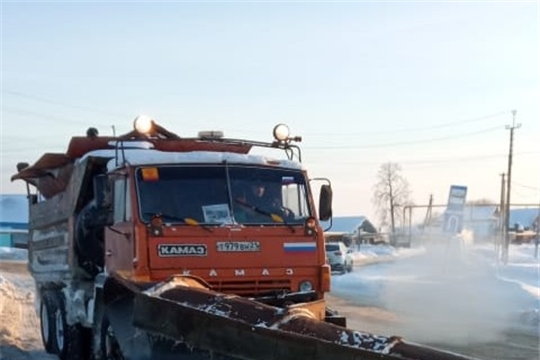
{"points": [[71, 342], [47, 308], [110, 349]]}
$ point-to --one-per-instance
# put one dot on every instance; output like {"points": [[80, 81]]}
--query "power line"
{"points": [[393, 131], [412, 142], [415, 129], [526, 186], [28, 113], [424, 162], [462, 121], [57, 103], [520, 194]]}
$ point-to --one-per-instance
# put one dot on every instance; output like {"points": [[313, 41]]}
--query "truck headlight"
{"points": [[305, 286]]}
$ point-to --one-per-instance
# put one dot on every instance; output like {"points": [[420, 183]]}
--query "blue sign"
{"points": [[453, 215]]}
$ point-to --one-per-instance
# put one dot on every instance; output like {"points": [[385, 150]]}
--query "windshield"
{"points": [[222, 194]]}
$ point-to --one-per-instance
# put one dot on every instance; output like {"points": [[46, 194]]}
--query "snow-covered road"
{"points": [[414, 294], [462, 300], [20, 337]]}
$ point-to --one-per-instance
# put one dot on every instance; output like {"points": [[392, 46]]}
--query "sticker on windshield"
{"points": [[217, 214]]}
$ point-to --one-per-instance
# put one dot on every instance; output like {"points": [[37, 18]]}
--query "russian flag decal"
{"points": [[300, 247]]}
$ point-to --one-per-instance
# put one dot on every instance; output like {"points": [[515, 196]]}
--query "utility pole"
{"points": [[508, 187], [502, 218]]}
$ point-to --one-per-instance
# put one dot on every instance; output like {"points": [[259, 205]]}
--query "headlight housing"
{"points": [[281, 132], [305, 286]]}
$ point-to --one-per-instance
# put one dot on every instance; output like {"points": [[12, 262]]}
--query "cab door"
{"points": [[120, 237]]}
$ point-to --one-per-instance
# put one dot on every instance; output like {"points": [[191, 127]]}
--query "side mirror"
{"points": [[102, 191], [325, 203]]}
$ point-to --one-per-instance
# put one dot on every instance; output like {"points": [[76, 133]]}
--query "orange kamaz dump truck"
{"points": [[151, 245]]}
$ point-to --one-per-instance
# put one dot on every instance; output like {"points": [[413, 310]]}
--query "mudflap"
{"points": [[203, 324]]}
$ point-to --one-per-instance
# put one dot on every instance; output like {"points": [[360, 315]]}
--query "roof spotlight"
{"points": [[281, 132], [143, 124]]}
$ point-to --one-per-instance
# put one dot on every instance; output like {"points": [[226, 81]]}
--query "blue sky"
{"points": [[429, 85]]}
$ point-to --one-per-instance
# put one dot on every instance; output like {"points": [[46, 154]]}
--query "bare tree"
{"points": [[391, 193]]}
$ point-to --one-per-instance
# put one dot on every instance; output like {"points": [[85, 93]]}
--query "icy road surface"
{"points": [[411, 296]]}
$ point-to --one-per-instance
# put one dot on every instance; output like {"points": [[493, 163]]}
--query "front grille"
{"points": [[252, 288]]}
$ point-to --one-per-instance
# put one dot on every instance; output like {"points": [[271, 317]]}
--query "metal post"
{"points": [[502, 219], [537, 229], [410, 226]]}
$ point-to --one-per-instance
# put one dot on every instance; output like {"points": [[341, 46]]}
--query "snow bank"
{"points": [[9, 253]]}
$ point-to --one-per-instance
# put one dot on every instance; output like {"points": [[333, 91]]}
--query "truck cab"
{"points": [[199, 214]]}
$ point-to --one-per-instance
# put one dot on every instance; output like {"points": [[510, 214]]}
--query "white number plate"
{"points": [[238, 246]]}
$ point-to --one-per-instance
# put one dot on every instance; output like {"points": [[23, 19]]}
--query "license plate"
{"points": [[238, 246]]}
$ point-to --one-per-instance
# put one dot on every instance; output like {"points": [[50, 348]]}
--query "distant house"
{"points": [[483, 220], [13, 221], [527, 218], [351, 229]]}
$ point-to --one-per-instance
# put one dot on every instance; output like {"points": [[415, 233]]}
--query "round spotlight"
{"points": [[143, 124], [281, 132]]}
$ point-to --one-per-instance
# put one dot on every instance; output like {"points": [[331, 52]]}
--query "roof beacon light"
{"points": [[211, 134], [281, 132], [143, 124]]}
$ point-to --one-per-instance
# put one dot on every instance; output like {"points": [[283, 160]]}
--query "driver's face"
{"points": [[258, 190]]}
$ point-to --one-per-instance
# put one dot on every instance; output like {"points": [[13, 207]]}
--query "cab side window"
{"points": [[122, 201]]}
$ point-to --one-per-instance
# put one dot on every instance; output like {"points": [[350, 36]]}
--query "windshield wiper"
{"points": [[184, 220], [275, 217]]}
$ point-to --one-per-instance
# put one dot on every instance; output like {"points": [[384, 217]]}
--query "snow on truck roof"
{"points": [[150, 143], [50, 174], [136, 157]]}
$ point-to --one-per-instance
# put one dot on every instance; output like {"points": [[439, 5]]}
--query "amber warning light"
{"points": [[150, 174]]}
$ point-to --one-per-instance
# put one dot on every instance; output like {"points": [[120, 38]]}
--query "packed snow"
{"points": [[448, 291]]}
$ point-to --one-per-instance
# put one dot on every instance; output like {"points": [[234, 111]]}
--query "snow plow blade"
{"points": [[207, 324]]}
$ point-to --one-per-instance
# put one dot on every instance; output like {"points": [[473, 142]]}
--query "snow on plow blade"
{"points": [[184, 311]]}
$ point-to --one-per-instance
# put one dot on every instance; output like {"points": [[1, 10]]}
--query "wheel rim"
{"points": [[44, 323], [59, 330]]}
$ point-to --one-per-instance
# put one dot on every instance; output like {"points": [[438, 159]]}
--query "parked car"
{"points": [[339, 257]]}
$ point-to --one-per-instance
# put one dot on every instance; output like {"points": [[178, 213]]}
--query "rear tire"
{"points": [[70, 342], [47, 309]]}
